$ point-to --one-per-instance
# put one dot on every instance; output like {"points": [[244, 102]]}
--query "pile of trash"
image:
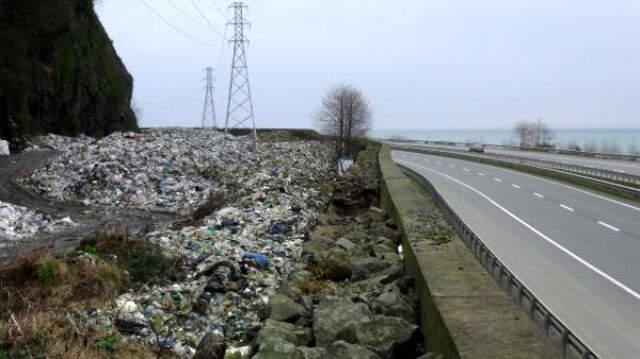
{"points": [[168, 170], [17, 223], [236, 257], [4, 148], [58, 143]]}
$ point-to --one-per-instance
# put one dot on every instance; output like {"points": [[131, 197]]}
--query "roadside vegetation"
{"points": [[44, 299]]}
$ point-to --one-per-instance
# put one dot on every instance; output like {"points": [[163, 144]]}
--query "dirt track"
{"points": [[90, 219]]}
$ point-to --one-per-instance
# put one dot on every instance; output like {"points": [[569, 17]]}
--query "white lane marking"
{"points": [[516, 186], [540, 234], [567, 208], [465, 169], [481, 174], [439, 163], [452, 166], [609, 226], [497, 180], [538, 195], [568, 187]]}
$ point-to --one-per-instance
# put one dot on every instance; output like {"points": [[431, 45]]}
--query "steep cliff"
{"points": [[59, 72]]}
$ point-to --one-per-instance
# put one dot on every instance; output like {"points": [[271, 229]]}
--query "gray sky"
{"points": [[436, 64]]}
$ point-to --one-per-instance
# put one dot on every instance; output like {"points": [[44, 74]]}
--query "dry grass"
{"points": [[40, 296]]}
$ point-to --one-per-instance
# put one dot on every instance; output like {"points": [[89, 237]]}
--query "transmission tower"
{"points": [[239, 105], [208, 101]]}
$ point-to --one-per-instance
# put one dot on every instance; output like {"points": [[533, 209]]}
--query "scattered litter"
{"points": [[4, 148], [17, 223], [236, 257]]}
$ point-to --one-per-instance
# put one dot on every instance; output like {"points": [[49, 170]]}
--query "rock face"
{"points": [[59, 72]]}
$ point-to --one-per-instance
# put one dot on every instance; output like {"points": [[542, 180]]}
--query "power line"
{"points": [[215, 3], [206, 19], [173, 26], [186, 14]]}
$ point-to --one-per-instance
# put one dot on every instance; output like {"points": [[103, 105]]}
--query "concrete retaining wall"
{"points": [[464, 313]]}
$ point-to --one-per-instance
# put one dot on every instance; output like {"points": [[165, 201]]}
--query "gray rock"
{"points": [[310, 353], [346, 244], [386, 336], [212, 346], [337, 265], [285, 331], [284, 309], [276, 348], [432, 356], [393, 304], [363, 268], [332, 317], [341, 349], [384, 252]]}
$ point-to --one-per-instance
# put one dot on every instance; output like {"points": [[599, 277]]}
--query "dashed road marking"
{"points": [[609, 226], [579, 259], [481, 174], [497, 180], [538, 195], [465, 169], [516, 186], [567, 208]]}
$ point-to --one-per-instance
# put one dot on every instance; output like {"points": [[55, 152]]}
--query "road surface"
{"points": [[577, 251], [628, 167]]}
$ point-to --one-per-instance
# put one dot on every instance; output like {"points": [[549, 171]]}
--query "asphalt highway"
{"points": [[628, 167], [577, 251]]}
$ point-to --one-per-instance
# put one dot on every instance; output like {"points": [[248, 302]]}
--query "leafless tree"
{"points": [[346, 115], [523, 130], [533, 134]]}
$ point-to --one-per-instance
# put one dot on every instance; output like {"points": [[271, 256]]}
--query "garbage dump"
{"points": [[166, 170], [4, 148], [18, 223], [236, 256], [57, 142]]}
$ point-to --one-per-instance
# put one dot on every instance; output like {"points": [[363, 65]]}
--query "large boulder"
{"points": [[333, 316], [284, 309], [337, 265], [212, 346], [277, 348], [285, 331], [341, 349], [363, 268], [388, 337], [394, 304]]}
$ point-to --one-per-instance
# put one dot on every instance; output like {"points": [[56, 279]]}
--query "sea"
{"points": [[626, 141]]}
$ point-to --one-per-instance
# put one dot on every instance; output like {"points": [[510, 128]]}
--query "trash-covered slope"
{"points": [[170, 170], [237, 256]]}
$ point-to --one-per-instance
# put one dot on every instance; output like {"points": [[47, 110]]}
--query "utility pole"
{"points": [[208, 101], [239, 105]]}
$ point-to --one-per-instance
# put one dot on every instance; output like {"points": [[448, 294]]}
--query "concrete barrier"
{"points": [[464, 313]]}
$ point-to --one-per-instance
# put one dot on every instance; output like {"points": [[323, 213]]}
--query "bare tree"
{"points": [[346, 115], [522, 129], [533, 134]]}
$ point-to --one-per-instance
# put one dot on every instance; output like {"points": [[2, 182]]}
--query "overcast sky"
{"points": [[424, 64]]}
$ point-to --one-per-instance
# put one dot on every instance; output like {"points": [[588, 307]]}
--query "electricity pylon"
{"points": [[239, 104], [208, 102]]}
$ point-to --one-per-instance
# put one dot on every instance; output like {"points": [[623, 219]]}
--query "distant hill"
{"points": [[59, 72]]}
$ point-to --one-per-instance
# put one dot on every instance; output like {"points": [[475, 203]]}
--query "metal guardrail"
{"points": [[570, 345], [558, 166], [601, 155]]}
